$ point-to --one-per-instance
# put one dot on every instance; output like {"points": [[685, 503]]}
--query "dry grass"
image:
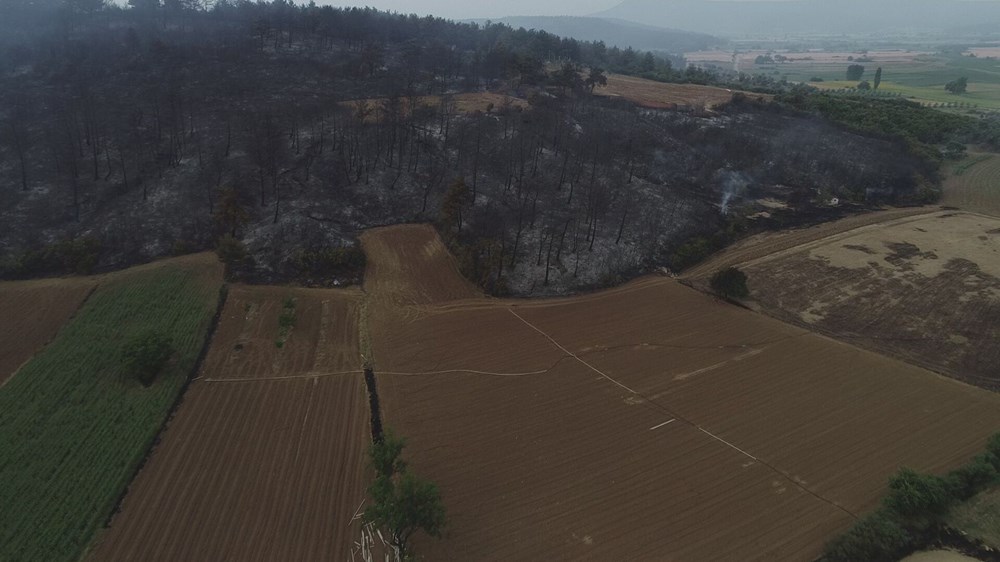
{"points": [[659, 95], [979, 517]]}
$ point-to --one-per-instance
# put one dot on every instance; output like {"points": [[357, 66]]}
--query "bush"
{"points": [[967, 481], [917, 495], [730, 283], [993, 448], [876, 538], [145, 355], [77, 256], [234, 255], [692, 252]]}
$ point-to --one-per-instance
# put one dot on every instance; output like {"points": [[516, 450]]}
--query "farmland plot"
{"points": [[645, 422], [34, 312], [925, 288], [659, 95], [975, 185], [265, 458], [74, 426]]}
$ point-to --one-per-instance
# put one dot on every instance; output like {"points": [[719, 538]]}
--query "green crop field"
{"points": [[974, 184], [74, 426], [921, 79]]}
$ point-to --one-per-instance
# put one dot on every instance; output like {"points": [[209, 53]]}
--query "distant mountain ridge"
{"points": [[614, 32], [732, 18]]}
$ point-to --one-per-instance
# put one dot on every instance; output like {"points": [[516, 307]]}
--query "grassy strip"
{"points": [[914, 508], [74, 426], [979, 518], [960, 169], [286, 321]]}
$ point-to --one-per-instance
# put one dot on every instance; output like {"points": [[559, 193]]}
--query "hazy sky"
{"points": [[462, 9]]}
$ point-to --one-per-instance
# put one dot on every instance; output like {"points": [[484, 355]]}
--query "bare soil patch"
{"points": [[650, 422], [659, 95]]}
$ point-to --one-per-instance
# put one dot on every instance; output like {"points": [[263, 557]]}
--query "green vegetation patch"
{"points": [[75, 424], [919, 504], [979, 518], [964, 166], [286, 321]]}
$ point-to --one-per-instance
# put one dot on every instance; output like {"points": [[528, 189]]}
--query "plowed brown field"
{"points": [[265, 458], [647, 422], [33, 312]]}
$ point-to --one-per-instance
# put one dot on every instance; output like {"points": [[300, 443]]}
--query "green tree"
{"points": [[145, 355], [234, 255], [730, 283], [879, 537], [568, 77], [402, 503], [959, 86], [596, 78], [855, 72], [912, 494], [864, 86], [878, 78]]}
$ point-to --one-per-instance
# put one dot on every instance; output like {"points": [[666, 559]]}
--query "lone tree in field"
{"points": [[959, 86], [855, 72], [145, 355], [878, 78], [596, 78], [730, 283], [402, 503]]}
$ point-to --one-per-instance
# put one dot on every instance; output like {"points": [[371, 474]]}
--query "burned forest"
{"points": [[276, 133]]}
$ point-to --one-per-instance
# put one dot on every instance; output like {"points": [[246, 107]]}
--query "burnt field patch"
{"points": [[925, 289]]}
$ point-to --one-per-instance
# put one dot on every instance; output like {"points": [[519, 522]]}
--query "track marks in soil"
{"points": [[567, 450], [265, 458]]}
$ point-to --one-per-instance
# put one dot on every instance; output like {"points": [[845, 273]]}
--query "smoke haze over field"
{"points": [[484, 8], [729, 17]]}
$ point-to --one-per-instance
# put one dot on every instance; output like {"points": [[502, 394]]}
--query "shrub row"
{"points": [[913, 507]]}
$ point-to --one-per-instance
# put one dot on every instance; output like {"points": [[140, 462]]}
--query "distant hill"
{"points": [[615, 32], [736, 18]]}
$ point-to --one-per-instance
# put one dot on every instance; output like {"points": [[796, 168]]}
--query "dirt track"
{"points": [[265, 459], [645, 422], [33, 313], [770, 244]]}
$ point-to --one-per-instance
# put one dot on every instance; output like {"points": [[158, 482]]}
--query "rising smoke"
{"points": [[733, 184]]}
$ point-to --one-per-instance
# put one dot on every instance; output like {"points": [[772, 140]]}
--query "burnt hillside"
{"points": [[283, 131]]}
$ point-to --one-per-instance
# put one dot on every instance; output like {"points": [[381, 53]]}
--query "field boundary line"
{"points": [[289, 377], [716, 437], [690, 423], [462, 371], [663, 424], [568, 352]]}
